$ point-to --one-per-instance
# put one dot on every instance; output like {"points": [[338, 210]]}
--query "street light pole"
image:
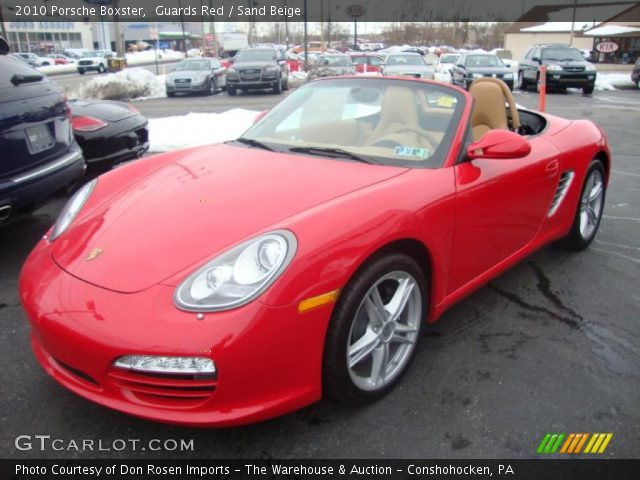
{"points": [[306, 47]]}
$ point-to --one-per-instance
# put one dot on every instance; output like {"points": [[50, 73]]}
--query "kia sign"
{"points": [[355, 11], [607, 47]]}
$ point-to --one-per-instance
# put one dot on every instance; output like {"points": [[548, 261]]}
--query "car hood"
{"points": [[408, 68], [489, 69], [188, 73], [102, 109], [195, 207], [568, 63], [261, 64]]}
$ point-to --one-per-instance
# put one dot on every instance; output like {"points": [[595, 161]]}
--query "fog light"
{"points": [[158, 364]]}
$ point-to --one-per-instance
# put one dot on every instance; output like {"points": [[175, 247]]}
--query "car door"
{"points": [[500, 207], [531, 67]]}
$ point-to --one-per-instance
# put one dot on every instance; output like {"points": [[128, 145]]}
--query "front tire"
{"points": [[374, 329], [588, 90], [81, 71], [277, 88], [589, 210], [231, 91], [522, 85], [101, 68]]}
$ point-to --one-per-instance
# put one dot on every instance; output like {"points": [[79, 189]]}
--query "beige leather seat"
{"points": [[489, 111], [399, 109]]}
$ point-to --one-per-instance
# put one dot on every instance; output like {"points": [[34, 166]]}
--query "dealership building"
{"points": [[616, 39], [46, 37]]}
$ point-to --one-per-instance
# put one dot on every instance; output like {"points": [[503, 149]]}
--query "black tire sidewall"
{"points": [[575, 240], [337, 382]]}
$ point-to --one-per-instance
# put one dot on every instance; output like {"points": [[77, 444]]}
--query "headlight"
{"points": [[508, 76], [71, 209], [272, 69], [159, 364], [590, 68], [554, 68], [239, 275], [476, 75]]}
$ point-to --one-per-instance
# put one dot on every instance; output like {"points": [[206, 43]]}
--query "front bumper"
{"points": [[268, 359], [254, 84], [568, 80], [186, 87]]}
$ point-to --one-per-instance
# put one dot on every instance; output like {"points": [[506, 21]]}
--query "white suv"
{"points": [[96, 60]]}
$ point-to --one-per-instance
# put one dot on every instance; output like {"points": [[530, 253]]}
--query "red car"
{"points": [[366, 62], [227, 284]]}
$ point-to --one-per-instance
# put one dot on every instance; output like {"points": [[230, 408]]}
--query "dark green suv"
{"points": [[566, 67]]}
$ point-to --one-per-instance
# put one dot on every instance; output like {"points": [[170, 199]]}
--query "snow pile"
{"points": [[613, 81], [194, 129], [296, 79], [149, 56], [124, 85], [49, 69]]}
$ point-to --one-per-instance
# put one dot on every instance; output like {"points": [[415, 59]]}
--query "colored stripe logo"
{"points": [[574, 443]]}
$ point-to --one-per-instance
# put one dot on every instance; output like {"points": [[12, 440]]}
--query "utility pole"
{"points": [[573, 21], [329, 26], [4, 31], [322, 26], [306, 46]]}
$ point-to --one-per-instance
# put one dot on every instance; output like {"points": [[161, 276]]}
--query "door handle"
{"points": [[552, 168]]}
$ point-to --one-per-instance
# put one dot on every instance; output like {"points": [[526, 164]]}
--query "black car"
{"points": [[477, 65], [635, 74], [258, 68], [566, 67], [109, 132], [39, 154]]}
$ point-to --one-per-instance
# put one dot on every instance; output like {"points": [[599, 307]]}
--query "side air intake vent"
{"points": [[563, 187]]}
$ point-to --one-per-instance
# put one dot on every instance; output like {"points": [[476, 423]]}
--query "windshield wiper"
{"points": [[254, 143], [18, 79], [327, 151]]}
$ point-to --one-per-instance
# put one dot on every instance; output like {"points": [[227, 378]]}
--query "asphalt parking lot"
{"points": [[550, 346]]}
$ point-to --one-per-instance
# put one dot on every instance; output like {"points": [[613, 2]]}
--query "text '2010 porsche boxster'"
{"points": [[232, 283]]}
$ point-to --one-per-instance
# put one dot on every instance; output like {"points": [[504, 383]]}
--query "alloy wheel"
{"points": [[384, 331], [591, 204]]}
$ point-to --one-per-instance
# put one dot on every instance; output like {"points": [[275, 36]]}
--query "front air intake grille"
{"points": [[166, 389], [563, 187]]}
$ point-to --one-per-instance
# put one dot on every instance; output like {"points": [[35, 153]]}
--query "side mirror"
{"points": [[459, 65], [231, 61], [499, 144], [260, 116], [536, 59]]}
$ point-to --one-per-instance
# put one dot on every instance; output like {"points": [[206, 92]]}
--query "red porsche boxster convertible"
{"points": [[231, 283]]}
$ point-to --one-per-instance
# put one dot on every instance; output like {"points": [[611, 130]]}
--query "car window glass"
{"points": [[562, 54], [10, 66], [405, 60], [392, 121], [375, 61], [255, 55]]}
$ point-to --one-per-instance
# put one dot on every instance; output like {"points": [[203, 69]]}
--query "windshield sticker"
{"points": [[414, 152]]}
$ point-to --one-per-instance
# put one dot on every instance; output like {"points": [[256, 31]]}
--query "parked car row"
{"points": [[47, 141]]}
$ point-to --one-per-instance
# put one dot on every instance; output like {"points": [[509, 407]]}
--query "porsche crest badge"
{"points": [[93, 254]]}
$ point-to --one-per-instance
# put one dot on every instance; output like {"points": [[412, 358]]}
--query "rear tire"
{"points": [[231, 91], [374, 329], [589, 208]]}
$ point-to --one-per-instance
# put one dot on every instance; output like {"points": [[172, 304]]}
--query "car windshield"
{"points": [[483, 61], [96, 53], [255, 56], [334, 60], [449, 58], [405, 60], [193, 65], [381, 121], [562, 54]]}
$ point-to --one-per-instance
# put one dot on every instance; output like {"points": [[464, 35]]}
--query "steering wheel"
{"points": [[399, 128]]}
